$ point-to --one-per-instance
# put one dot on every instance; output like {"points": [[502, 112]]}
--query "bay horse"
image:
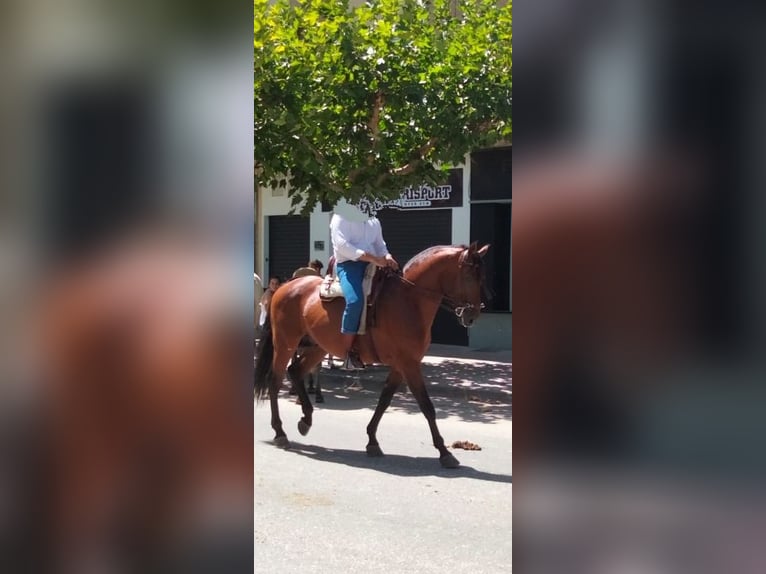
{"points": [[405, 311], [314, 386]]}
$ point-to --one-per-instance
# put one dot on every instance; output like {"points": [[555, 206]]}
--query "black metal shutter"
{"points": [[491, 174], [491, 223], [407, 233], [289, 245]]}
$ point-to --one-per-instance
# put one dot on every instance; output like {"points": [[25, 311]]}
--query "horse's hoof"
{"points": [[319, 399], [449, 461], [282, 442], [374, 450], [303, 428]]}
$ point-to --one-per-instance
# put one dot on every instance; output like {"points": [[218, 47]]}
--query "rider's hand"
{"points": [[391, 262]]}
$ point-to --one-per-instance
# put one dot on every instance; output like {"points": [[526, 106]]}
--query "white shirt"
{"points": [[352, 239]]}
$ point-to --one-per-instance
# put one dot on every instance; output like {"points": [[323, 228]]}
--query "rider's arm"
{"points": [[378, 242], [380, 247], [341, 244], [372, 258], [348, 250]]}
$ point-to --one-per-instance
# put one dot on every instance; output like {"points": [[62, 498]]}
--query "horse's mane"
{"points": [[429, 252]]}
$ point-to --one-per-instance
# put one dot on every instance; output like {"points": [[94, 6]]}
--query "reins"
{"points": [[446, 302]]}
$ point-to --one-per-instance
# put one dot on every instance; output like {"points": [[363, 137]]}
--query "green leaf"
{"points": [[320, 67]]}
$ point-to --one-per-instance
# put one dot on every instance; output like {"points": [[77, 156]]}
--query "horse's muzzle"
{"points": [[467, 314]]}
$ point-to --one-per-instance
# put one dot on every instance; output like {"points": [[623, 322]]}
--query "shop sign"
{"points": [[424, 196]]}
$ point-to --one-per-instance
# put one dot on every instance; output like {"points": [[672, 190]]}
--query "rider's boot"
{"points": [[352, 361]]}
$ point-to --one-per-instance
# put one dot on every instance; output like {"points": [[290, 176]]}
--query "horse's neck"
{"points": [[427, 276]]}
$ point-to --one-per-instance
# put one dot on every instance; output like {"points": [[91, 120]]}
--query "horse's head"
{"points": [[467, 283]]}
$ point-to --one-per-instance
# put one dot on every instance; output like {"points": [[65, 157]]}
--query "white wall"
{"points": [[493, 331], [320, 231], [461, 216]]}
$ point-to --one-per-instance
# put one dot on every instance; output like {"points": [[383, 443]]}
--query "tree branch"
{"points": [[374, 124], [419, 154], [321, 159], [314, 151], [484, 126]]}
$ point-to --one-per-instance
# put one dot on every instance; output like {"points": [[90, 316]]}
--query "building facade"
{"points": [[473, 204]]}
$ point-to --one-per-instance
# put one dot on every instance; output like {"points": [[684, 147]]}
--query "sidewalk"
{"points": [[452, 371], [436, 351]]}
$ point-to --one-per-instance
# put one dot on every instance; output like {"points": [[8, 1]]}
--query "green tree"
{"points": [[361, 102]]}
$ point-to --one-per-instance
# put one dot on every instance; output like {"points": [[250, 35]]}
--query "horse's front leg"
{"points": [[417, 385], [392, 383]]}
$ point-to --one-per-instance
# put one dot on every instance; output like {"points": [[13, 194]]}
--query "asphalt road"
{"points": [[324, 506]]}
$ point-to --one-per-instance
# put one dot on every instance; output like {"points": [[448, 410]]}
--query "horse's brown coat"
{"points": [[400, 337]]}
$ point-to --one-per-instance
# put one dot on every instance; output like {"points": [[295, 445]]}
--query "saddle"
{"points": [[374, 276]]}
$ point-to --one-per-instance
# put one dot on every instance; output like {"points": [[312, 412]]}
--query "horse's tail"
{"points": [[264, 359]]}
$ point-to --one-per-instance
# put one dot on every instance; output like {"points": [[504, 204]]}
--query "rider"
{"points": [[357, 239]]}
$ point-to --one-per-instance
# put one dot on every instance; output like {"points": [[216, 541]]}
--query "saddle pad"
{"points": [[330, 289]]}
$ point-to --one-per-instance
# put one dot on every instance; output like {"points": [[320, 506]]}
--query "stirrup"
{"points": [[352, 362]]}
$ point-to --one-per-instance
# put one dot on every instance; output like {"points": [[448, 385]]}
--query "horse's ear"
{"points": [[473, 247], [483, 250]]}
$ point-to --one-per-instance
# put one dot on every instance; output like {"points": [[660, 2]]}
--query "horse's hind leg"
{"points": [[310, 377], [296, 357], [297, 371], [277, 374], [392, 383], [280, 438], [318, 397], [417, 385]]}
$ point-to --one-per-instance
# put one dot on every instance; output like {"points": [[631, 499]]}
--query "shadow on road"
{"points": [[469, 380], [340, 398], [393, 463], [473, 390]]}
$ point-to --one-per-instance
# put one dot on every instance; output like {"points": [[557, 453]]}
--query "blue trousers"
{"points": [[351, 275]]}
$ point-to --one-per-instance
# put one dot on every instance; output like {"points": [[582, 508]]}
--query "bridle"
{"points": [[451, 304]]}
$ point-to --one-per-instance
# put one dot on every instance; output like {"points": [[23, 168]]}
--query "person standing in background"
{"points": [[265, 303]]}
